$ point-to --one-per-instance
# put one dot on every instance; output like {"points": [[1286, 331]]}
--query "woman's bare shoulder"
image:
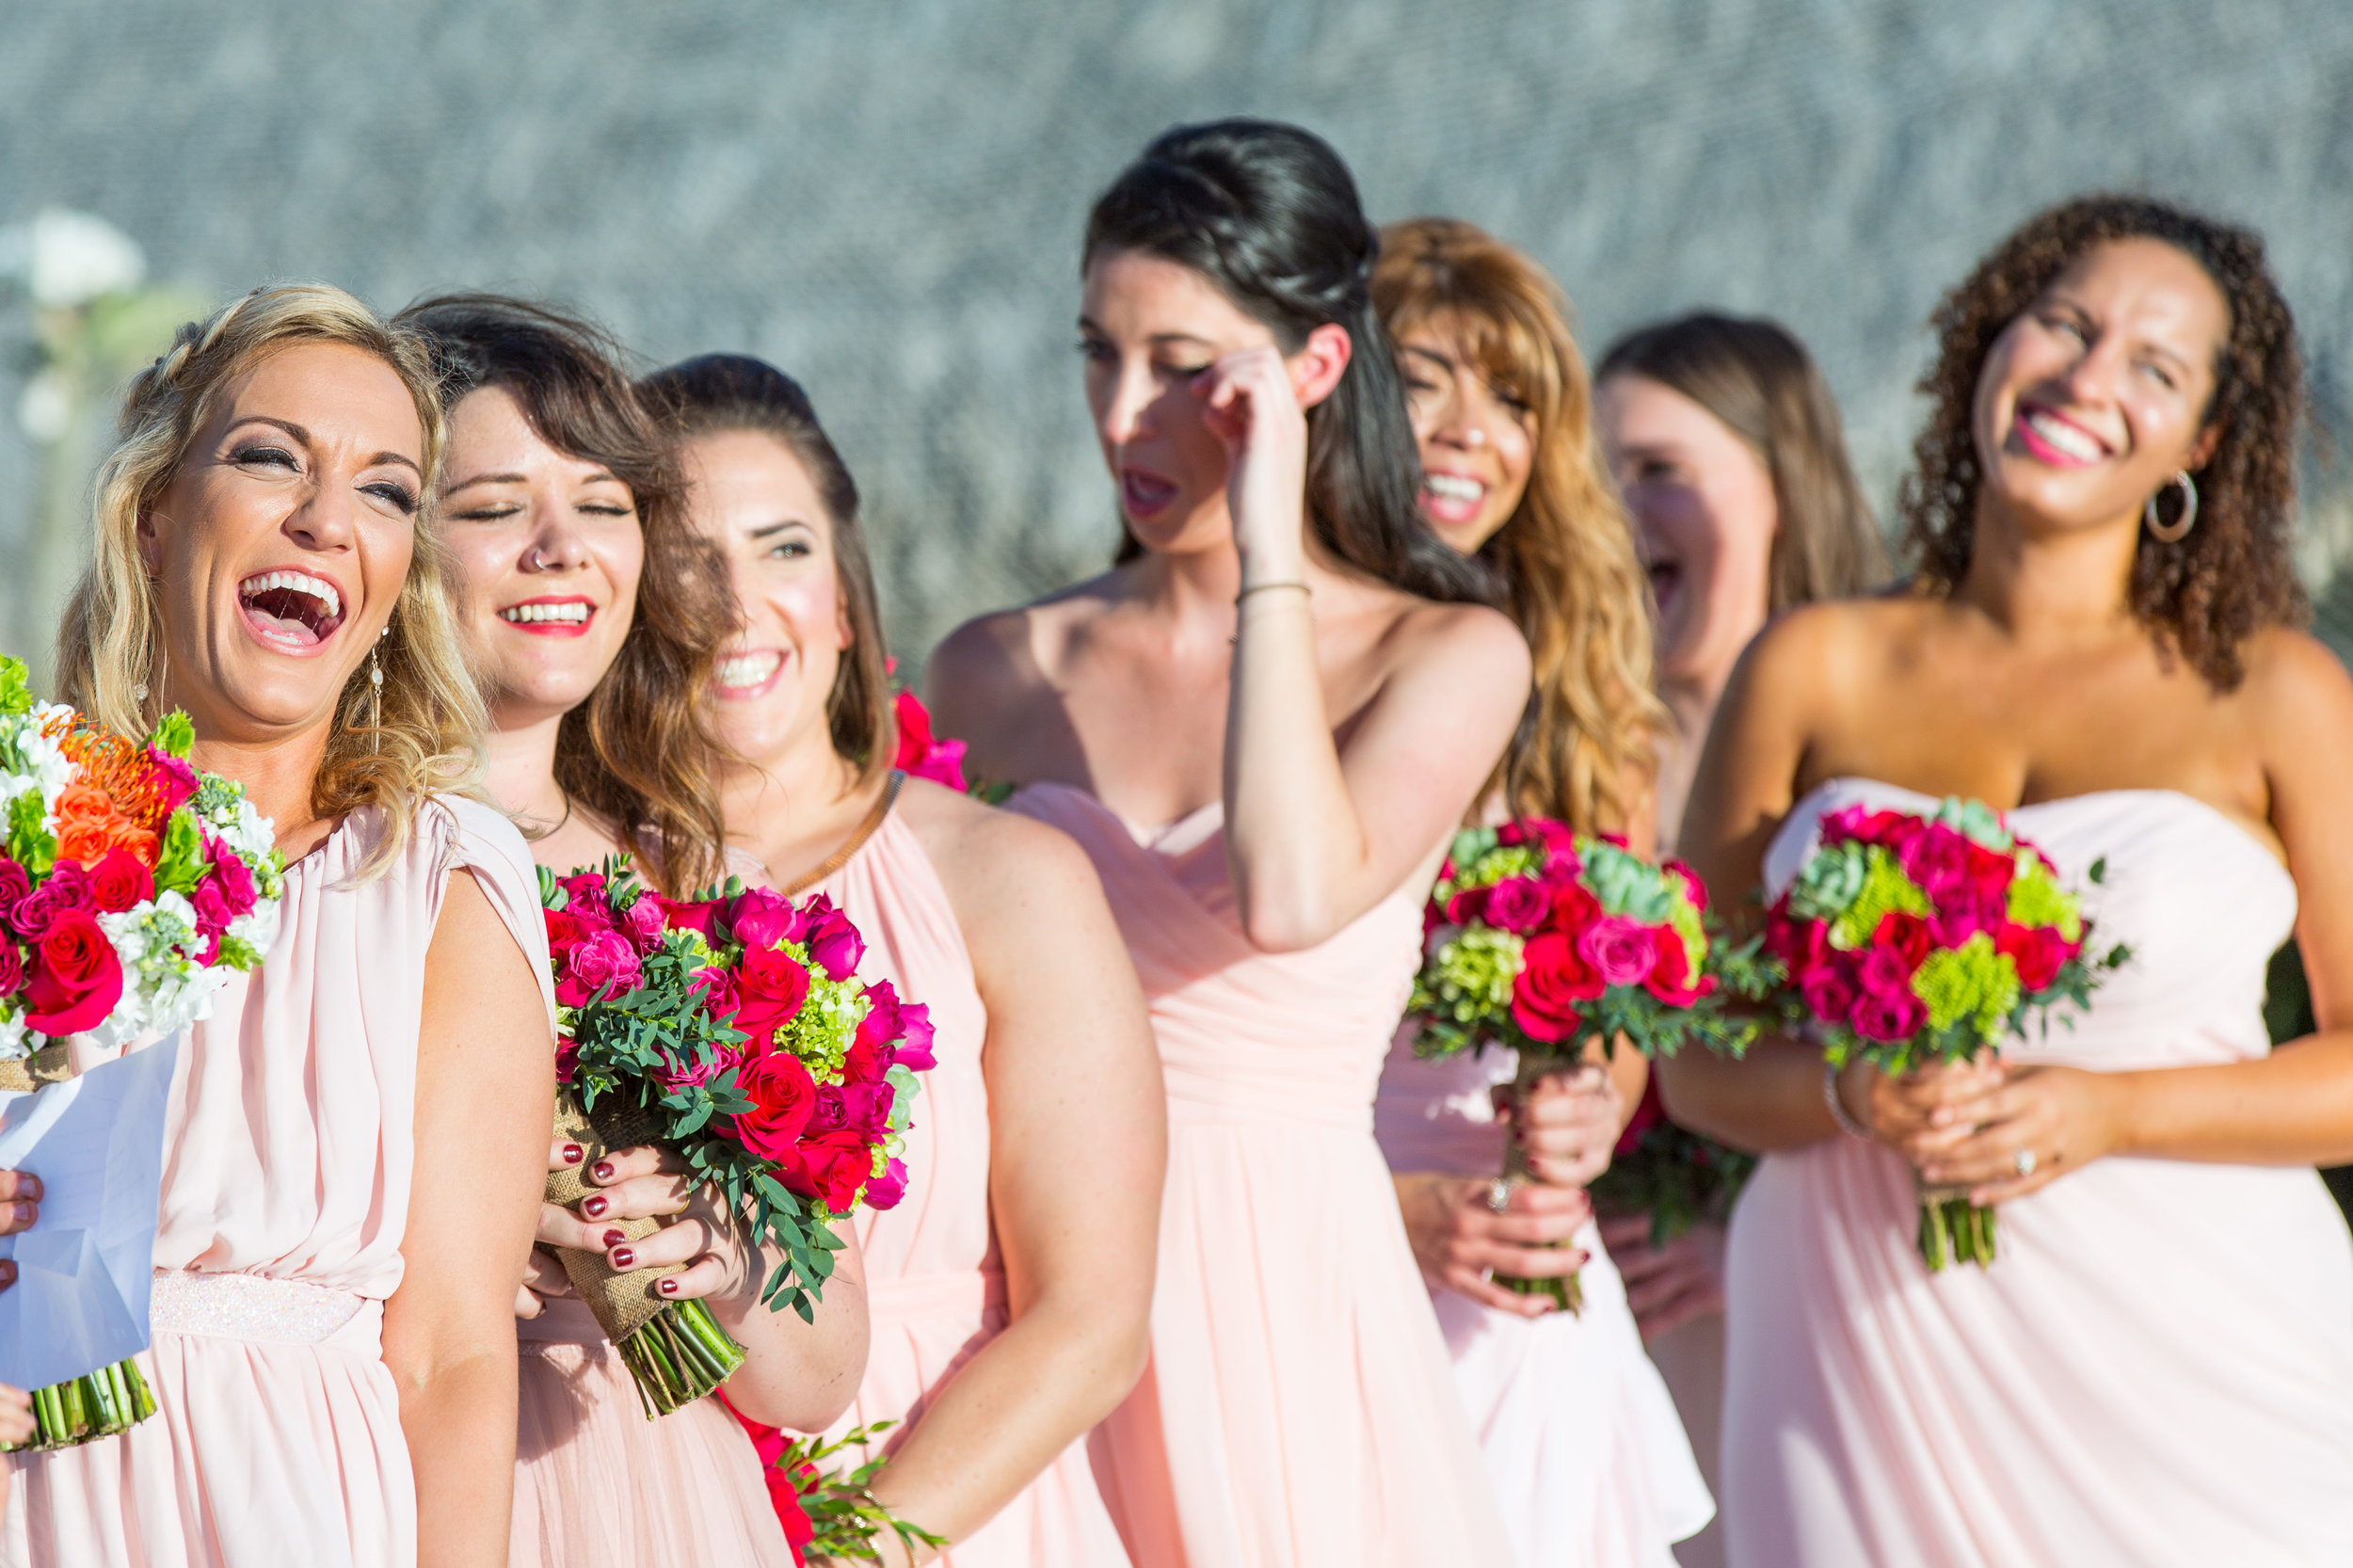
{"points": [[1005, 655]]}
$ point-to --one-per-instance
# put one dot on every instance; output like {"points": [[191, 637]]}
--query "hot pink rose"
{"points": [[1553, 982], [603, 963], [1519, 903], [212, 906], [914, 1052], [174, 780], [720, 999], [881, 1025], [120, 880], [75, 979], [235, 876], [834, 942], [1621, 950], [1882, 973], [696, 1070], [14, 886], [1908, 936], [65, 891], [1891, 1017], [681, 916], [1468, 907], [773, 987], [642, 923], [922, 755], [761, 918], [1800, 944], [2037, 952], [885, 1191], [1828, 990], [782, 1096], [1691, 883]]}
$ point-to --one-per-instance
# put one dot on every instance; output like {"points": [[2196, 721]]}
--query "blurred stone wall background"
{"points": [[885, 196]]}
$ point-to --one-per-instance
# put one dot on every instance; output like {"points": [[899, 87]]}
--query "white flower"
{"points": [[12, 1046], [66, 258], [258, 928]]}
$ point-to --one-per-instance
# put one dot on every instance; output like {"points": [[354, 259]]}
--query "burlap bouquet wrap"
{"points": [[676, 1350]]}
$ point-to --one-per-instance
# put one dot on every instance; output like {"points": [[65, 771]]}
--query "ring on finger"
{"points": [[2024, 1162], [1499, 1195]]}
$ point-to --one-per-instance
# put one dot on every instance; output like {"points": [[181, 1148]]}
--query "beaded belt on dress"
{"points": [[249, 1306]]}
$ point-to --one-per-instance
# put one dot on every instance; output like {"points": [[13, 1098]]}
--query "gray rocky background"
{"points": [[884, 195]]}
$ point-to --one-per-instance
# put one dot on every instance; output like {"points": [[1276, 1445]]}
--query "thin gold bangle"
{"points": [[1269, 587]]}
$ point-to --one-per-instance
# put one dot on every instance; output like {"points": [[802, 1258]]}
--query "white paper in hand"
{"points": [[84, 1272]]}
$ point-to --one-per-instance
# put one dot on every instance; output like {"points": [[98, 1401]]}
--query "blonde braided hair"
{"points": [[426, 738]]}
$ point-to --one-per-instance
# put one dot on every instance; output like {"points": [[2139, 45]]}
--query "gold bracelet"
{"points": [[1269, 587]]}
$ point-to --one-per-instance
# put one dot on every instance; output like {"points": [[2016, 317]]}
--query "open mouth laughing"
{"points": [[294, 611], [565, 616], [746, 674]]}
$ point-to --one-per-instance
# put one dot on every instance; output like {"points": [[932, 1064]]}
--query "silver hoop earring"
{"points": [[2181, 525], [538, 564]]}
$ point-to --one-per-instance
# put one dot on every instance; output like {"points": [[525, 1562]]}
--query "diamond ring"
{"points": [[1499, 1195], [2024, 1162]]}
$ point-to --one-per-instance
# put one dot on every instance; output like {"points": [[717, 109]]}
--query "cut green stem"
{"points": [[113, 1399], [681, 1355]]}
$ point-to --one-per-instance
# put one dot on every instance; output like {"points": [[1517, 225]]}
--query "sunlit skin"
{"points": [[549, 549], [310, 465], [1478, 439], [1066, 1020], [2034, 681], [533, 526]]}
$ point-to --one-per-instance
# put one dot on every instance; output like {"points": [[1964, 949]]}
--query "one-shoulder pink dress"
{"points": [[935, 1289], [2158, 1367], [288, 1153], [1299, 1409]]}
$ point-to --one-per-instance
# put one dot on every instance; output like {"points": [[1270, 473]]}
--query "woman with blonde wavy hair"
{"points": [[334, 1351], [1580, 1439]]}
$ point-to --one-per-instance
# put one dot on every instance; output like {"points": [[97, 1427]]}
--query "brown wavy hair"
{"points": [[642, 751], [716, 392], [1587, 748], [2203, 596], [1758, 381], [110, 647]]}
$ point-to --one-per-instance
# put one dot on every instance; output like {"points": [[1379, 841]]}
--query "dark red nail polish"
{"points": [[668, 1287], [624, 1258], [603, 1170], [574, 1153], [615, 1237], [595, 1207]]}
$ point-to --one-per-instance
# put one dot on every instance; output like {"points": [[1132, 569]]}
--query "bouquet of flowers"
{"points": [[131, 888], [1673, 1176], [733, 1029], [1538, 938], [829, 1513], [1913, 939]]}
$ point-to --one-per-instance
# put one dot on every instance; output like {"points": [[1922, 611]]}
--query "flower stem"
{"points": [[113, 1399], [681, 1355]]}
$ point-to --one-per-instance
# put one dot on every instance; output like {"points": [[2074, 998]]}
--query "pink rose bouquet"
{"points": [[1539, 939], [1910, 939], [734, 1030]]}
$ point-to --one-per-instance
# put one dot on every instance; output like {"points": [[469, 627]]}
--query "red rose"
{"points": [[1672, 979], [915, 726], [864, 1062], [1469, 906], [119, 881], [1552, 982], [881, 1025], [1828, 990], [782, 1094], [1882, 972], [1691, 883], [587, 891], [1621, 950], [2038, 950], [686, 916], [235, 876], [565, 932], [1890, 1016], [1519, 903], [76, 978], [832, 1168], [1573, 909], [773, 987], [1908, 936], [1800, 944]]}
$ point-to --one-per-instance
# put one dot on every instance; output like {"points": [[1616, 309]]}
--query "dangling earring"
{"points": [[376, 693], [2182, 524]]}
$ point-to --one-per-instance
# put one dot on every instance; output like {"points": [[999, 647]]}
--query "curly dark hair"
{"points": [[2233, 574]]}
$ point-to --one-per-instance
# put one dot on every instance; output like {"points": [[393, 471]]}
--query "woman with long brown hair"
{"points": [[595, 618], [1727, 447], [1579, 1436], [2158, 1367]]}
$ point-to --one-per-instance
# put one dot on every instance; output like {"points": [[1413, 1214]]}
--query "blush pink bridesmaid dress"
{"points": [[936, 1289], [2158, 1367], [1299, 1410], [287, 1161]]}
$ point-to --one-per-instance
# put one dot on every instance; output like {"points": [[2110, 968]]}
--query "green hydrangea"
{"points": [[16, 690], [2036, 898], [1473, 974], [1971, 984], [1684, 915], [1885, 890], [1496, 865], [821, 1032]]}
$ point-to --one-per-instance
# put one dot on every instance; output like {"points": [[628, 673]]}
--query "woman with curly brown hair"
{"points": [[595, 616], [2159, 1366], [1582, 1442]]}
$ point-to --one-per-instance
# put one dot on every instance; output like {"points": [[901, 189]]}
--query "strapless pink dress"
{"points": [[936, 1289], [1299, 1410], [287, 1161], [2157, 1369], [1581, 1440]]}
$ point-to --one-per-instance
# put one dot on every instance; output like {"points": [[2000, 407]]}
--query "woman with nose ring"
{"points": [[2157, 1366], [353, 1152], [595, 617]]}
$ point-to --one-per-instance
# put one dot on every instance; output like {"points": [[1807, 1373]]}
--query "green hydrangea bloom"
{"points": [[1969, 983], [1684, 915], [1474, 973], [2036, 898], [16, 691], [1885, 890], [821, 1032], [1494, 866], [1626, 884], [1829, 881]]}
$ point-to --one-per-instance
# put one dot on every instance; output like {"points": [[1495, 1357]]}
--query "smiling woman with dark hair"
{"points": [[2157, 1369]]}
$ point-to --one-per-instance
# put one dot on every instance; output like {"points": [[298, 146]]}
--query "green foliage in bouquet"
{"points": [[844, 1517], [1678, 1179]]}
